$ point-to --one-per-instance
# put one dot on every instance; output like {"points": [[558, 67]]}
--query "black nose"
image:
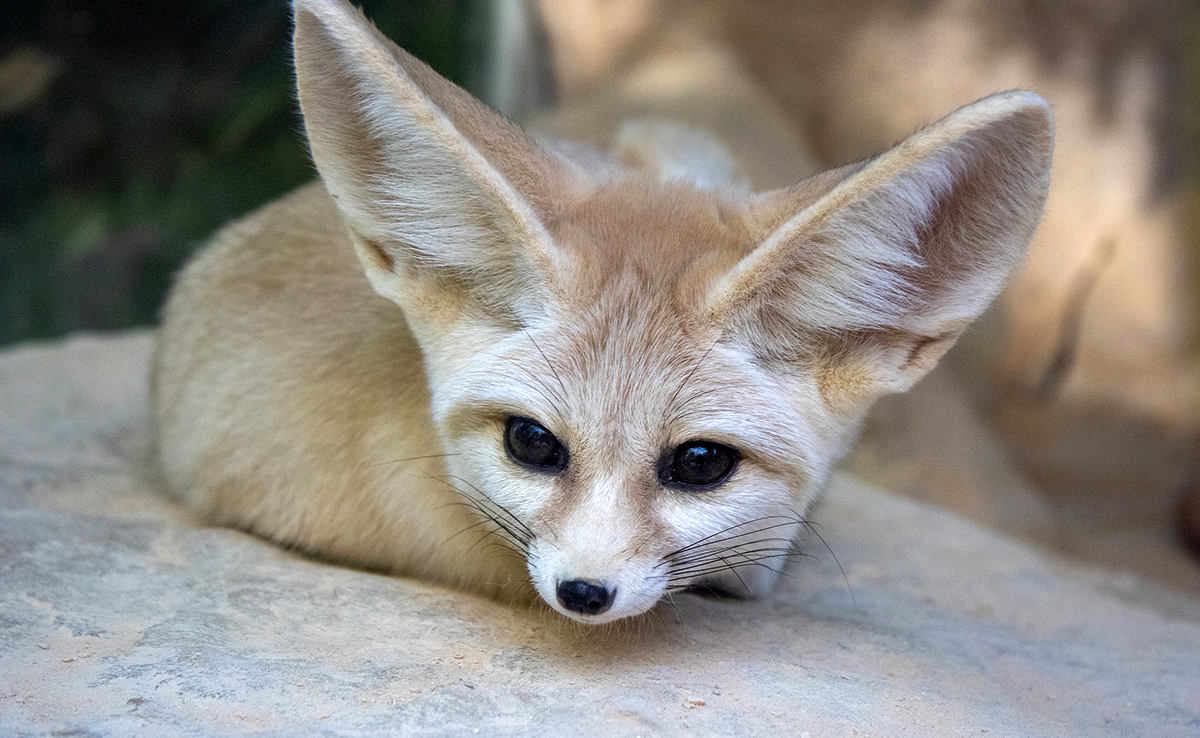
{"points": [[589, 598]]}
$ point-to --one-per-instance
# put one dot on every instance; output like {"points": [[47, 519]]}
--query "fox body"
{"points": [[493, 360]]}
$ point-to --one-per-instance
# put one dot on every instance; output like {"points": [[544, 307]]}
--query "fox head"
{"points": [[643, 375]]}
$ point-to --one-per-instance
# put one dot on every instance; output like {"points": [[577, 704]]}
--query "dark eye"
{"points": [[529, 444], [698, 465]]}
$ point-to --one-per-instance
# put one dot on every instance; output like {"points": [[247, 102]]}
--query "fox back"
{"points": [[494, 360]]}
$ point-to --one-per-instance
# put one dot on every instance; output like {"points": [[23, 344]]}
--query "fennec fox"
{"points": [[627, 367]]}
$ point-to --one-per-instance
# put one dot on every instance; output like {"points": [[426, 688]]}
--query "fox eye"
{"points": [[529, 444], [698, 465]]}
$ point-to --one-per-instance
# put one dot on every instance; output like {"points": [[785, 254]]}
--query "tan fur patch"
{"points": [[381, 255]]}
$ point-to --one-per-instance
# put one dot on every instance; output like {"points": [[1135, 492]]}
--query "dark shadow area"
{"points": [[129, 131]]}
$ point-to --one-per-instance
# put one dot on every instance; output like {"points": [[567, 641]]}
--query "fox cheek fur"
{"points": [[563, 344]]}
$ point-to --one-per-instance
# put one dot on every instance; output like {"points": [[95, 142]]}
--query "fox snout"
{"points": [[596, 567], [596, 601], [597, 583]]}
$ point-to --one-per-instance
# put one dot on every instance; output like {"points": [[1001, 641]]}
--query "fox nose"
{"points": [[584, 596]]}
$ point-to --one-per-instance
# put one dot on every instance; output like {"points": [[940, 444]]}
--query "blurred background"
{"points": [[130, 130]]}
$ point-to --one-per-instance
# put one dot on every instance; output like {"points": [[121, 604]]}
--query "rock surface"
{"points": [[120, 616]]}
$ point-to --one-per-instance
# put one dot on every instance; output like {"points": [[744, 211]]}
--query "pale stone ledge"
{"points": [[119, 617]]}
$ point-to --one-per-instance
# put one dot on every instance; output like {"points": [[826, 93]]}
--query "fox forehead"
{"points": [[625, 354], [677, 240]]}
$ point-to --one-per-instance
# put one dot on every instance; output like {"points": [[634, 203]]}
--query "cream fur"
{"points": [[628, 301]]}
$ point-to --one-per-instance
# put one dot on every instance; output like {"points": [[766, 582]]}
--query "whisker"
{"points": [[750, 557], [713, 556], [688, 376], [699, 541], [738, 574], [477, 503], [522, 539], [549, 527], [813, 527], [731, 549], [504, 530], [470, 527], [478, 541], [549, 363], [727, 554], [502, 508], [524, 584], [506, 550], [549, 400], [641, 545], [733, 566], [505, 524], [498, 534], [412, 458], [706, 549], [659, 615], [671, 601], [717, 556]]}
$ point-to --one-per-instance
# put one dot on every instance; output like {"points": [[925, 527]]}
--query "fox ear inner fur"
{"points": [[881, 273], [439, 192]]}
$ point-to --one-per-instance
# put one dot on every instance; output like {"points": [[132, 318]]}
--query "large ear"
{"points": [[877, 277], [434, 186]]}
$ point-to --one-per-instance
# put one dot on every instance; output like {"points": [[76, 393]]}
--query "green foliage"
{"points": [[129, 131]]}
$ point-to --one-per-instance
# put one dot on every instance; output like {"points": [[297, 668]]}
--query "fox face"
{"points": [[642, 376], [626, 452]]}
